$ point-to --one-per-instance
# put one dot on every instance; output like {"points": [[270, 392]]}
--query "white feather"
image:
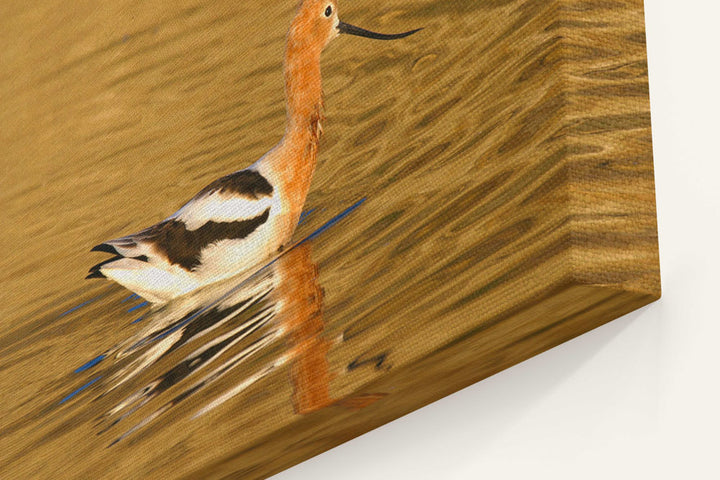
{"points": [[221, 207], [154, 284]]}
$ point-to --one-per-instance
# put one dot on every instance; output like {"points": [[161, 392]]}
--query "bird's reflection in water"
{"points": [[270, 306], [268, 320], [211, 346]]}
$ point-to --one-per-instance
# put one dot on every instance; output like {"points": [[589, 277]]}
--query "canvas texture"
{"points": [[303, 230]]}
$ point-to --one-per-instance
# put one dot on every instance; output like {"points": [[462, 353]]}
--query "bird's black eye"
{"points": [[328, 11]]}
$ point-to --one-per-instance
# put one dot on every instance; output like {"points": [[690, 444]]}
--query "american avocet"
{"points": [[245, 217]]}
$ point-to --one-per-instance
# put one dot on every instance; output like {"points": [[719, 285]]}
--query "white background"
{"points": [[638, 398]]}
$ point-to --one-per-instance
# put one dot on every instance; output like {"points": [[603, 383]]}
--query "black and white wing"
{"points": [[230, 208]]}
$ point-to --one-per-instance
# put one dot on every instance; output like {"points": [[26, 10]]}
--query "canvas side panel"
{"points": [[610, 164]]}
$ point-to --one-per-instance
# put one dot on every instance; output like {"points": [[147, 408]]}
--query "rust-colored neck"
{"points": [[303, 86], [303, 90]]}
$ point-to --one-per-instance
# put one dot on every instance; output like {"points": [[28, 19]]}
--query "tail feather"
{"points": [[95, 272], [104, 247], [129, 247]]}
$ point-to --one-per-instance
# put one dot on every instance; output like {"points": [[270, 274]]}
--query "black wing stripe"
{"points": [[245, 183], [183, 247], [104, 247]]}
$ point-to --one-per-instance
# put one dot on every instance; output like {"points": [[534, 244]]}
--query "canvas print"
{"points": [[238, 234]]}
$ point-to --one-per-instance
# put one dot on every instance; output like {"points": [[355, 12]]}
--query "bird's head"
{"points": [[317, 23]]}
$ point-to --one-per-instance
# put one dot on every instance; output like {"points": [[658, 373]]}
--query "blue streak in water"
{"points": [[79, 306], [131, 297], [139, 305], [71, 395], [136, 321], [334, 220], [90, 364], [305, 214]]}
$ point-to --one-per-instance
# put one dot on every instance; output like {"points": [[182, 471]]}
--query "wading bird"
{"points": [[245, 217]]}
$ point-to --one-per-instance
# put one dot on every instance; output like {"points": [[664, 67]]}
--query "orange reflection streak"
{"points": [[302, 318]]}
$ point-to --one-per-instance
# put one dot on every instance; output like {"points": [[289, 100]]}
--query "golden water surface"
{"points": [[113, 114]]}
